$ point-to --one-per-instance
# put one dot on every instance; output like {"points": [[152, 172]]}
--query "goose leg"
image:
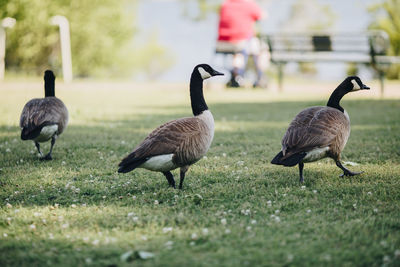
{"points": [[346, 172], [170, 178], [38, 149], [301, 166], [182, 172], [53, 141]]}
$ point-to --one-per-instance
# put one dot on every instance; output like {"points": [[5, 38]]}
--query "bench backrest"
{"points": [[370, 43]]}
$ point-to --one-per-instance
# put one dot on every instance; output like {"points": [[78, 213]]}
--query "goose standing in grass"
{"points": [[178, 143], [43, 119], [319, 132]]}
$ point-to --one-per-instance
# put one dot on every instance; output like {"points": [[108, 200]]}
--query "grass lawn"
{"points": [[236, 209]]}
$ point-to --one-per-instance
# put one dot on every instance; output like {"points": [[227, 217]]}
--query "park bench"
{"points": [[369, 48]]}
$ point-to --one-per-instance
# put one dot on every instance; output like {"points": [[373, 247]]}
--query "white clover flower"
{"points": [[303, 187], [156, 202], [37, 214], [73, 206], [8, 205], [269, 203], [248, 228], [315, 191], [223, 221], [133, 197], [32, 227], [277, 211], [194, 236], [205, 231], [192, 243], [65, 225], [167, 229], [386, 258], [375, 210], [169, 244], [308, 211], [135, 219], [227, 231], [144, 238], [130, 214], [369, 193], [95, 242], [253, 222]]}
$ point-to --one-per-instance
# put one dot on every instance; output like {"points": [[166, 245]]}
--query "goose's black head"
{"points": [[353, 83], [199, 74], [350, 84], [49, 79], [206, 71]]}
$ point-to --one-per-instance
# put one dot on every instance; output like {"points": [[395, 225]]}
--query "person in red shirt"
{"points": [[235, 30]]}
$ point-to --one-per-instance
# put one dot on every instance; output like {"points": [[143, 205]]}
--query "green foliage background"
{"points": [[102, 34], [387, 18]]}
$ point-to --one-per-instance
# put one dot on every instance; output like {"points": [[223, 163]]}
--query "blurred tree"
{"points": [[102, 34], [386, 17], [204, 7]]}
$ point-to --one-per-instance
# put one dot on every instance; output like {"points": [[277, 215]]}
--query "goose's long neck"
{"points": [[49, 87], [336, 96], [196, 94]]}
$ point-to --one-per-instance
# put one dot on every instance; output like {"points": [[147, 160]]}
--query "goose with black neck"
{"points": [[45, 118], [178, 143], [319, 132]]}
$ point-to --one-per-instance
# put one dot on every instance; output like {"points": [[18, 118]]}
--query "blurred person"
{"points": [[236, 35]]}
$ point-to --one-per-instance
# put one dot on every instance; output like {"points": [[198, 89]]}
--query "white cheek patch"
{"points": [[356, 86], [204, 74]]}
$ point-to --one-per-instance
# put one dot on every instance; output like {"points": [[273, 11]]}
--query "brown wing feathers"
{"points": [[38, 113], [312, 128], [166, 139]]}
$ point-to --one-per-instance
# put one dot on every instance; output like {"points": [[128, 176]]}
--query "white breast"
{"points": [[208, 118], [316, 154], [346, 114], [46, 133], [160, 163]]}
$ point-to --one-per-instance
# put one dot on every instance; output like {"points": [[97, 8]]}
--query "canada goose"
{"points": [[43, 119], [178, 143], [319, 132]]}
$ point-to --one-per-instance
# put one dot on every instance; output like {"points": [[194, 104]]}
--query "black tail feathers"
{"points": [[289, 161], [30, 133], [128, 164]]}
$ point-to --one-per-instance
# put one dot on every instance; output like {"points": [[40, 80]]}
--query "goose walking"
{"points": [[43, 119], [319, 132], [178, 143]]}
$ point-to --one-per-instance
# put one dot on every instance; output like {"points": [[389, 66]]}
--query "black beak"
{"points": [[217, 73], [364, 87]]}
